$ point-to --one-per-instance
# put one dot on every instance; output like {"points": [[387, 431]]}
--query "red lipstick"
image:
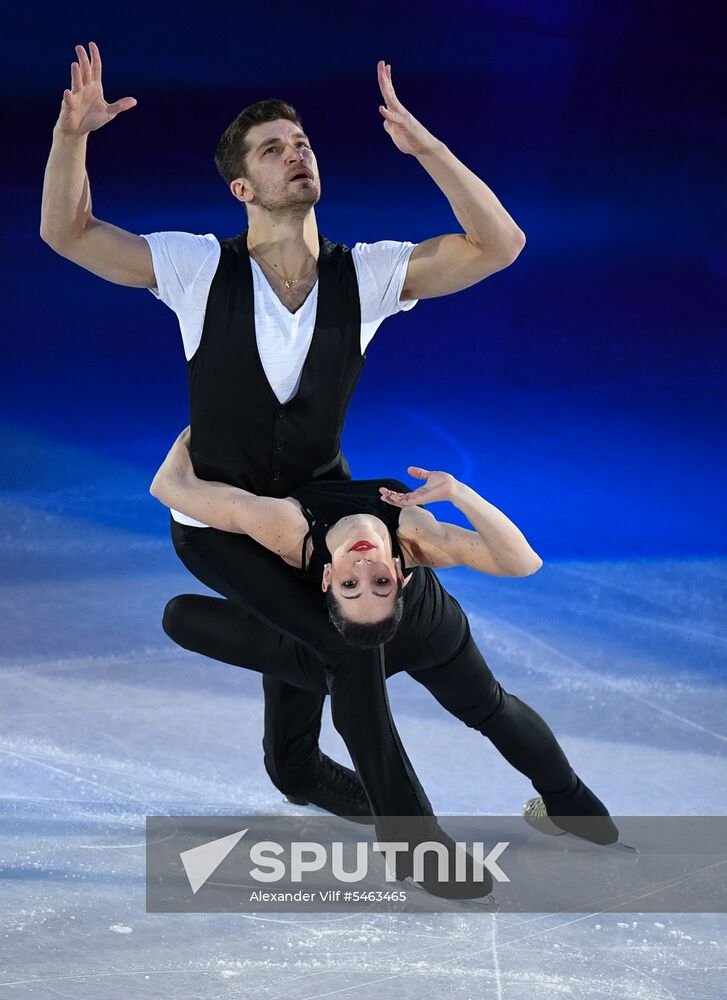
{"points": [[362, 546]]}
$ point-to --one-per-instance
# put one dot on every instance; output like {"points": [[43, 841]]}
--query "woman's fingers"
{"points": [[388, 496], [403, 499]]}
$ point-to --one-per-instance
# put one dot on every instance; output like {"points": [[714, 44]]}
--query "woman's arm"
{"points": [[496, 545], [275, 524]]}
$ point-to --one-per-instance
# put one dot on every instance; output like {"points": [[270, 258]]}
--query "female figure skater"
{"points": [[371, 548], [355, 539]]}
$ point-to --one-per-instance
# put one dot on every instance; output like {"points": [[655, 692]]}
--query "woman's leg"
{"points": [[466, 687]]}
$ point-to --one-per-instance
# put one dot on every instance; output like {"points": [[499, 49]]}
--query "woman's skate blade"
{"points": [[536, 816]]}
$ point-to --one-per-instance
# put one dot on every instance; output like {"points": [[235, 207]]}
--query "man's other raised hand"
{"points": [[407, 134]]}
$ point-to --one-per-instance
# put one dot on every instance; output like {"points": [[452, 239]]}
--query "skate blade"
{"points": [[543, 824], [618, 845], [298, 800], [627, 848], [485, 903]]}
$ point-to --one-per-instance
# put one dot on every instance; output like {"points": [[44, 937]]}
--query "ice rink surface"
{"points": [[104, 721]]}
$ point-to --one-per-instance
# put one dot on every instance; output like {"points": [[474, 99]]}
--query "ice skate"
{"points": [[594, 829], [333, 787]]}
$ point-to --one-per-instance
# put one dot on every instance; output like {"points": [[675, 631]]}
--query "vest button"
{"points": [[281, 411], [280, 445]]}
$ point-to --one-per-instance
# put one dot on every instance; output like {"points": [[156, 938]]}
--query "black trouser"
{"points": [[275, 601], [277, 625]]}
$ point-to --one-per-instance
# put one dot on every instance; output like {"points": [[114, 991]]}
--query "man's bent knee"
{"points": [[173, 619]]}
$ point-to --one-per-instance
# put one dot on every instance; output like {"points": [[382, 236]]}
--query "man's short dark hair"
{"points": [[366, 635], [231, 152]]}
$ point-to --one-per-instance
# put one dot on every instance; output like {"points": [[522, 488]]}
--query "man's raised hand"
{"points": [[83, 108], [407, 134], [438, 486]]}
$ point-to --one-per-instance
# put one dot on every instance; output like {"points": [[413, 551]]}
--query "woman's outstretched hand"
{"points": [[83, 108], [438, 486]]}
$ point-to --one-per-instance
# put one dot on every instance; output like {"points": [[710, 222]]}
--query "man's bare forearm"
{"points": [[66, 206], [486, 223]]}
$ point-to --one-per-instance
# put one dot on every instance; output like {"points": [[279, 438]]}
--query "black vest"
{"points": [[241, 433]]}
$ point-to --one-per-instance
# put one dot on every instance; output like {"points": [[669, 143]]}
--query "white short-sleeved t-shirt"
{"points": [[185, 264]]}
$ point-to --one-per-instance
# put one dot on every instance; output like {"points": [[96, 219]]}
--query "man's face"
{"points": [[278, 153]]}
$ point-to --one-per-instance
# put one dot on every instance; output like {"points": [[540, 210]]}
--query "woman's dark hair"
{"points": [[366, 635], [231, 152]]}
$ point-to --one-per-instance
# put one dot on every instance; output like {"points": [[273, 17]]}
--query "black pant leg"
{"points": [[466, 687], [454, 671], [258, 581], [219, 628], [293, 716], [222, 630], [292, 729], [362, 715]]}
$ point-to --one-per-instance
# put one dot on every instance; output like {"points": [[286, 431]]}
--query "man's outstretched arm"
{"points": [[491, 239], [67, 224]]}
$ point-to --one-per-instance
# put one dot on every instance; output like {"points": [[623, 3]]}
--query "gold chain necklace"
{"points": [[289, 282]]}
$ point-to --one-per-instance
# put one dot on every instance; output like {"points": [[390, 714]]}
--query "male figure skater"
{"points": [[274, 323]]}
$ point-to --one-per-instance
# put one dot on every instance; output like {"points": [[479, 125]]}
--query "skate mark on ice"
{"points": [[600, 678], [68, 774], [646, 975], [177, 786], [496, 957]]}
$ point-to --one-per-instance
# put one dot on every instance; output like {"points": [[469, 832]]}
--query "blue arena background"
{"points": [[582, 389]]}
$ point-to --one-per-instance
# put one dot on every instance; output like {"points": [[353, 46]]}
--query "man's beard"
{"points": [[290, 202]]}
